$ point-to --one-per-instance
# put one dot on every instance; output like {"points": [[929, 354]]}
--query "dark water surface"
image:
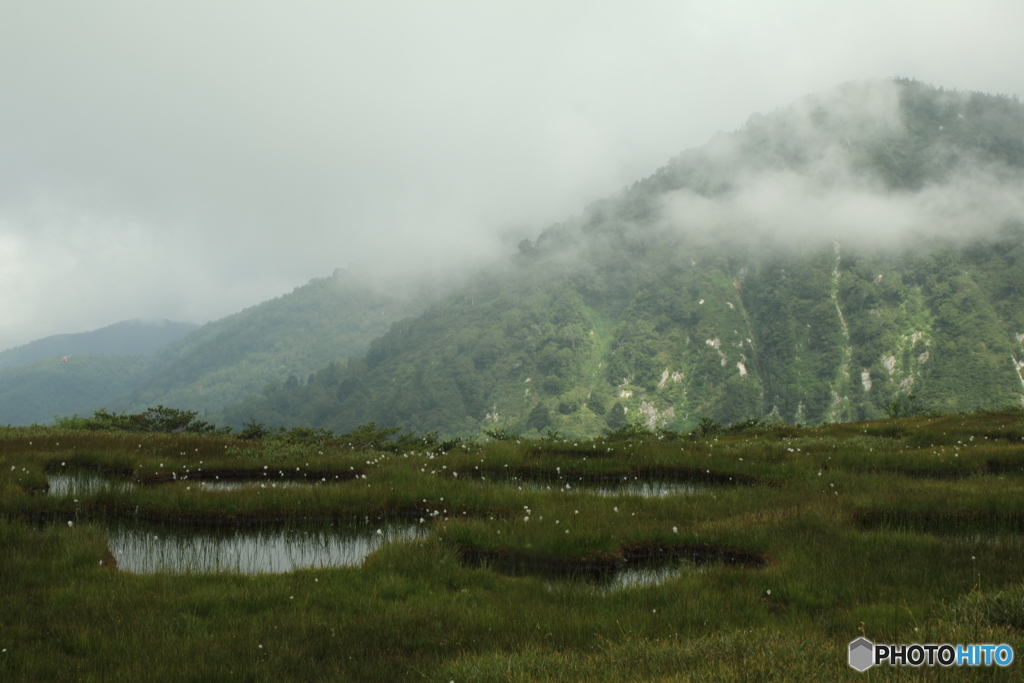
{"points": [[78, 482], [146, 548]]}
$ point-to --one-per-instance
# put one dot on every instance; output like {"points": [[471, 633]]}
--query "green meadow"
{"points": [[752, 553]]}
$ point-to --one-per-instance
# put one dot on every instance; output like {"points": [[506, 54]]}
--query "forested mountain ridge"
{"points": [[36, 392], [128, 338], [825, 261], [328, 319], [36, 382]]}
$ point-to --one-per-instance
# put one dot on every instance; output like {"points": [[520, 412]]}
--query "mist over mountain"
{"points": [[857, 249], [860, 247]]}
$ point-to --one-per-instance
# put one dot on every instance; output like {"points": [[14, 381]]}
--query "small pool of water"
{"points": [[236, 484], [995, 539], [79, 483], [645, 489], [644, 576], [626, 579], [83, 483], [649, 489], [146, 549]]}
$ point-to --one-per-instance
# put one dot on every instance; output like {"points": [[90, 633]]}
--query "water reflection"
{"points": [[251, 484], [645, 489], [644, 576], [996, 539], [625, 579], [148, 549], [78, 483], [649, 489]]}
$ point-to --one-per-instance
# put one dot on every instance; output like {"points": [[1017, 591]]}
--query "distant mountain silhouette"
{"points": [[127, 338]]}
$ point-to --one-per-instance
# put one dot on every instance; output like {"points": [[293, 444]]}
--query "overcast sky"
{"points": [[185, 160]]}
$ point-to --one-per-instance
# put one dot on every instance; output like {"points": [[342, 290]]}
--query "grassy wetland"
{"points": [[749, 553]]}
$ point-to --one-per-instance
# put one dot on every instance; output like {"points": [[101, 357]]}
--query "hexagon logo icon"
{"points": [[862, 653]]}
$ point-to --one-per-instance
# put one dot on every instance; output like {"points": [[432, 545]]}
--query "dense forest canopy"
{"points": [[328, 319]]}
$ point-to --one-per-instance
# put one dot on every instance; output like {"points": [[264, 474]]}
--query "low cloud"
{"points": [[792, 179], [796, 209], [85, 271], [184, 160]]}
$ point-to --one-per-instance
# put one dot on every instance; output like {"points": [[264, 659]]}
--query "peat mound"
{"points": [[939, 521], [601, 566], [681, 475], [652, 553], [1005, 466], [505, 561]]}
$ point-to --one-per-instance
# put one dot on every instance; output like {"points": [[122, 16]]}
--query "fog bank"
{"points": [[186, 160]]}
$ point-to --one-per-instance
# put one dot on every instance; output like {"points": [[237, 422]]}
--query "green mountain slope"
{"points": [[128, 338], [36, 383], [826, 260], [35, 392], [328, 319]]}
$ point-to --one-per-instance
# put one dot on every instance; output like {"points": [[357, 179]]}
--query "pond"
{"points": [[994, 539], [252, 483], [148, 549], [645, 576], [80, 483], [645, 489], [626, 579], [145, 548]]}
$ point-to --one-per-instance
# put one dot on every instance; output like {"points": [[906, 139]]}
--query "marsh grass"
{"points": [[905, 530]]}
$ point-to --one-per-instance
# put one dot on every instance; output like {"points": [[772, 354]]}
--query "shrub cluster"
{"points": [[159, 419]]}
